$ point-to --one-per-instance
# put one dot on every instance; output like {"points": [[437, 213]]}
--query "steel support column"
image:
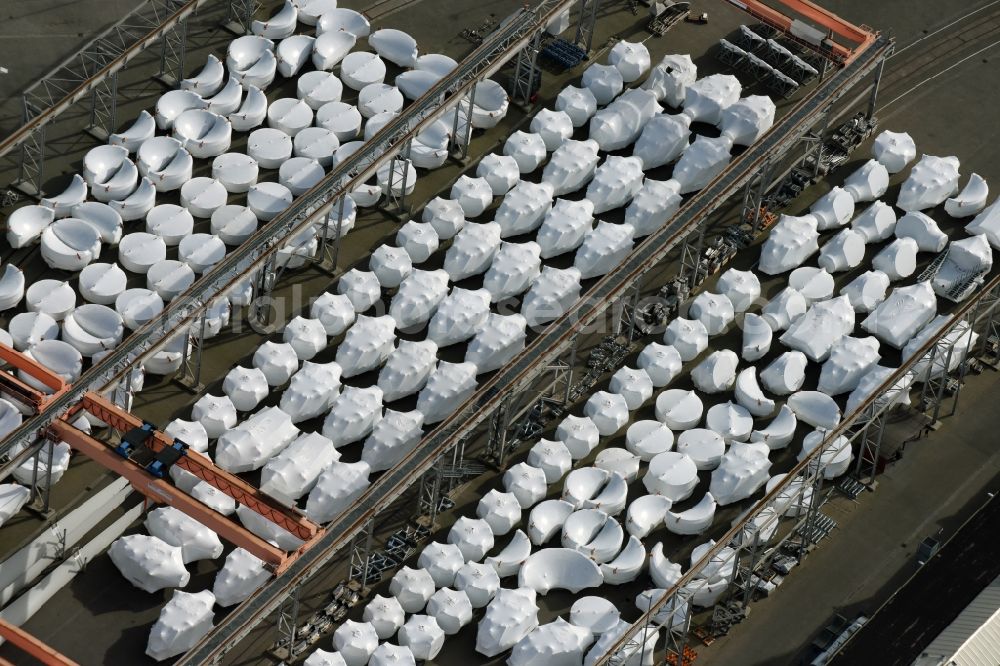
{"points": [[525, 69], [41, 493], [172, 55], [399, 173], [690, 270], [497, 443], [812, 483], [31, 163], [676, 639], [989, 351], [461, 128], [194, 344], [240, 16], [328, 250], [264, 282], [870, 443], [429, 500], [873, 97], [104, 108], [362, 546], [753, 198], [288, 624], [937, 379], [585, 24]]}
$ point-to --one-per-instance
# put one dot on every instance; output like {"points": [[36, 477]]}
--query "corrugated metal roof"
{"points": [[973, 639]]}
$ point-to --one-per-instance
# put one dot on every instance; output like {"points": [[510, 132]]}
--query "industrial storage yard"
{"points": [[577, 332]]}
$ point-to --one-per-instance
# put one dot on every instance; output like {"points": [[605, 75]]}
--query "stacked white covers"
{"points": [[708, 97], [392, 438], [902, 314], [603, 248], [367, 344], [748, 119], [293, 472], [183, 621], [670, 78], [311, 391], [619, 124], [744, 469], [571, 166], [353, 414], [149, 563], [894, 150], [337, 489], [254, 441], [701, 162], [931, 181], [790, 243], [497, 342], [850, 359], [510, 617], [815, 332], [449, 385]]}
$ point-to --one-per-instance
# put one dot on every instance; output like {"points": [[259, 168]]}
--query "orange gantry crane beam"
{"points": [[160, 451], [32, 647], [860, 37]]}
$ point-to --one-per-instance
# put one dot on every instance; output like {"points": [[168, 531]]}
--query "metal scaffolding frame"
{"points": [[173, 52], [525, 71], [362, 547], [240, 15], [585, 24]]}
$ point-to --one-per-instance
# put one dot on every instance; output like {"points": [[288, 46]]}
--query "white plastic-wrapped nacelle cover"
{"points": [[336, 490], [523, 208], [554, 127], [833, 209], [472, 250], [498, 341], [608, 411], [708, 97], [790, 243], [714, 311], [717, 372], [395, 46], [663, 139], [511, 616], [702, 162], [631, 59], [867, 290], [353, 415], [653, 206], [565, 227], [894, 150], [446, 216], [149, 563], [898, 259], [671, 474], [449, 386], [215, 413], [367, 344], [293, 472], [815, 332], [843, 252], [604, 81], [785, 374], [393, 437], [661, 362], [872, 381], [361, 288], [898, 318], [603, 249], [256, 440], [743, 470], [515, 266], [931, 181], [671, 77], [577, 103], [183, 621], [459, 317], [748, 119], [419, 296], [850, 359], [875, 223], [551, 295], [688, 336], [176, 528], [922, 229], [619, 124], [241, 576], [277, 361], [311, 390], [615, 182], [527, 149]]}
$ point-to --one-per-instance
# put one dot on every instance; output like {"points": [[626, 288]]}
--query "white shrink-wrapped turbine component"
{"points": [[183, 621], [293, 472], [987, 223], [898, 260], [340, 19], [704, 447], [898, 318], [442, 561], [970, 200], [391, 265], [280, 25], [329, 49], [419, 240], [790, 243], [661, 362], [673, 475], [250, 59], [958, 338], [27, 329], [480, 583], [652, 207], [422, 635], [584, 484], [785, 374], [757, 337], [554, 127], [551, 295], [559, 568], [779, 432], [632, 384], [252, 111], [301, 174], [474, 195], [380, 98], [473, 536], [785, 308], [558, 642], [191, 433], [353, 415], [750, 396], [216, 414], [552, 457], [608, 411], [631, 59], [515, 266], [663, 572], [91, 328], [743, 470], [620, 123], [922, 229], [565, 227], [176, 528], [546, 520], [714, 311], [70, 244], [241, 576], [392, 439], [708, 97], [898, 394], [875, 223], [742, 288], [250, 444], [446, 216], [632, 654], [51, 297], [523, 208], [407, 368], [670, 78], [173, 103], [605, 82], [472, 251], [98, 283], [867, 290], [679, 409], [320, 657], [500, 510], [663, 139], [702, 162], [385, 615], [730, 420], [360, 69], [26, 224], [395, 46], [850, 359], [203, 133], [748, 120], [869, 182], [843, 252], [109, 172], [149, 563], [817, 409], [510, 616], [307, 337], [233, 224], [418, 298], [815, 332], [337, 488], [571, 166], [142, 128], [355, 642], [277, 361], [237, 172], [526, 483], [366, 345], [967, 257], [527, 149], [499, 340], [930, 182], [833, 209], [577, 103], [647, 439], [451, 609], [695, 520], [449, 386], [334, 311], [836, 457], [415, 83], [499, 171], [246, 387], [603, 249], [815, 284], [316, 89], [105, 220], [645, 514], [894, 150], [579, 434], [717, 372], [688, 336]]}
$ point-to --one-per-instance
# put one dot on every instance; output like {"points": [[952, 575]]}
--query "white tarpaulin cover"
{"points": [[497, 342], [311, 391], [608, 411], [664, 137], [815, 284], [701, 162], [246, 387], [293, 472], [419, 296], [619, 124], [898, 259], [679, 409], [931, 181], [565, 226], [322, 657], [385, 614], [850, 359], [717, 372], [500, 510], [459, 317], [392, 438], [577, 103], [815, 332], [255, 441], [869, 182], [786, 373], [603, 248], [183, 621], [509, 617], [653, 205], [867, 290], [176, 528], [480, 583], [451, 610], [407, 369], [523, 208], [500, 171], [554, 127], [970, 200], [706, 98], [790, 243], [579, 434], [615, 182], [472, 250], [673, 475], [670, 78], [902, 314], [876, 223], [873, 379], [571, 166], [336, 489], [367, 344], [757, 337], [551, 295], [353, 414], [661, 362], [688, 336], [743, 470], [149, 563], [894, 150], [514, 268], [922, 229], [241, 575], [748, 119], [817, 409], [449, 386], [843, 252]]}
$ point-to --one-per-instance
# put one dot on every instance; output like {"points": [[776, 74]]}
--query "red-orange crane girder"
{"points": [[32, 646]]}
